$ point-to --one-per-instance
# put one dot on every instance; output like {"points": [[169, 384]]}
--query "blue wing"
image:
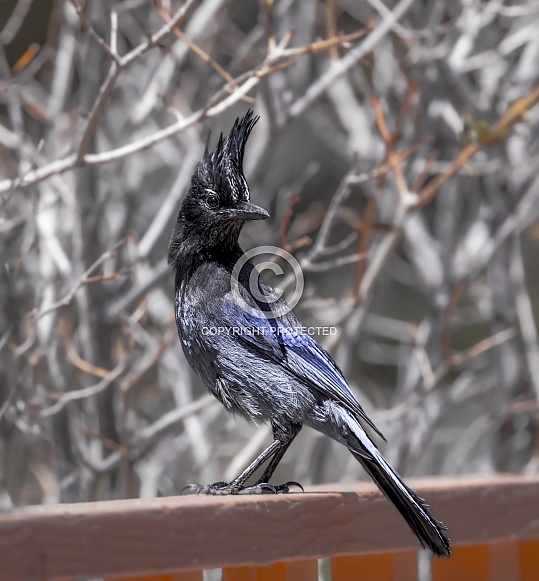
{"points": [[283, 340]]}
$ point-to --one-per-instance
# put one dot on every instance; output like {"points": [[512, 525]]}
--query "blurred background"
{"points": [[397, 153]]}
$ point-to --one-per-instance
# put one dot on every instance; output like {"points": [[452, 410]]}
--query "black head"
{"points": [[218, 202]]}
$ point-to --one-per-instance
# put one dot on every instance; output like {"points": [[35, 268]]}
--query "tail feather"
{"points": [[431, 533]]}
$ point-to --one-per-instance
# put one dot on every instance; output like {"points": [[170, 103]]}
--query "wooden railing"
{"points": [[494, 524]]}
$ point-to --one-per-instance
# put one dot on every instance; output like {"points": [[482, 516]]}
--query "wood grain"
{"points": [[155, 536]]}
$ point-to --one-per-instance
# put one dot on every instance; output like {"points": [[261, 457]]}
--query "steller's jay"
{"points": [[249, 349]]}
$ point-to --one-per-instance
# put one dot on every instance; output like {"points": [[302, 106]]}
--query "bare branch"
{"points": [[83, 279], [341, 66], [85, 392]]}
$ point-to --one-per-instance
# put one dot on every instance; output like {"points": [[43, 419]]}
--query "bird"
{"points": [[250, 350]]}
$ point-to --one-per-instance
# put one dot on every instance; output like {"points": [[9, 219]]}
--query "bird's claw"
{"points": [[285, 488], [224, 488]]}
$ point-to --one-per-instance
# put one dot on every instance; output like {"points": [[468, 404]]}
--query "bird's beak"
{"points": [[250, 212]]}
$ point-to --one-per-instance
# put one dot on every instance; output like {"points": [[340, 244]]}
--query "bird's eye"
{"points": [[212, 201]]}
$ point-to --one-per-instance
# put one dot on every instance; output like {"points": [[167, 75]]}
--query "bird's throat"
{"points": [[192, 247]]}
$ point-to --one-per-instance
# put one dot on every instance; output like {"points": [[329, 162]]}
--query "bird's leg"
{"points": [[275, 451], [237, 485], [263, 482]]}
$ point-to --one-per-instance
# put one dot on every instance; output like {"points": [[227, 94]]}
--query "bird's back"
{"points": [[234, 353]]}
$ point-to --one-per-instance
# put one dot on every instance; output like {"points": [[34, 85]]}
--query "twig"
{"points": [[390, 139], [221, 101], [384, 11], [14, 22], [151, 433], [201, 53], [84, 392], [341, 66], [448, 313], [80, 9], [8, 401], [148, 436], [215, 107], [104, 93], [157, 37], [80, 282], [459, 358], [331, 27], [375, 267], [524, 313], [81, 364], [414, 399], [498, 132], [157, 274], [483, 346], [285, 224], [114, 32], [326, 44], [131, 380], [369, 217], [336, 262]]}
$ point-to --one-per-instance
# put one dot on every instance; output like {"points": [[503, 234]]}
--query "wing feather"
{"points": [[284, 340]]}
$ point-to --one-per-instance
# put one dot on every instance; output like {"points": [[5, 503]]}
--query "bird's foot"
{"points": [[224, 488], [217, 488], [267, 488]]}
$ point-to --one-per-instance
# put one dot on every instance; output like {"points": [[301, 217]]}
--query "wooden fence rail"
{"points": [[494, 524]]}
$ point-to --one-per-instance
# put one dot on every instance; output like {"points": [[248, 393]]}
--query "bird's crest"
{"points": [[222, 169], [233, 147]]}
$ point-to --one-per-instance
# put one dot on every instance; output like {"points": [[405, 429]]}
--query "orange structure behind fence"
{"points": [[494, 524]]}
